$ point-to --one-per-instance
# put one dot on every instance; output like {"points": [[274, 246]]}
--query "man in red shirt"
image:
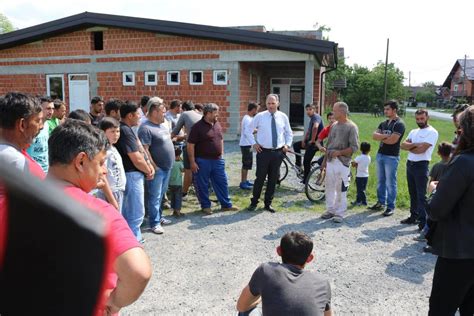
{"points": [[77, 153]]}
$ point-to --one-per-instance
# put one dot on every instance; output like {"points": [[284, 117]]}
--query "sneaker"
{"points": [[158, 230], [327, 215], [252, 207], [245, 186], [337, 219], [388, 212], [165, 221], [142, 241], [376, 207], [207, 211], [420, 237], [249, 183], [185, 196], [428, 249], [166, 205], [229, 209], [409, 221]]}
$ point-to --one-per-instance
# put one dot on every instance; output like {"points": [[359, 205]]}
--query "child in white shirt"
{"points": [[362, 163]]}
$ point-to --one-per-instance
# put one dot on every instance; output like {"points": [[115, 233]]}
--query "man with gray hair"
{"points": [[156, 139], [343, 141], [205, 151]]}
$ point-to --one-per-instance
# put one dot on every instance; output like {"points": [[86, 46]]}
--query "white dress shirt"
{"points": [[263, 123], [246, 130]]}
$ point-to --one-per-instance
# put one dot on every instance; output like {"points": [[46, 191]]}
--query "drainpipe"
{"points": [[321, 87]]}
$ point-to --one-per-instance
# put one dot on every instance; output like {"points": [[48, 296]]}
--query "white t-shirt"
{"points": [[11, 156], [423, 135], [363, 162], [245, 131]]}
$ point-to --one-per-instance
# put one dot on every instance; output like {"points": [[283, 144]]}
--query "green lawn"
{"points": [[292, 198], [367, 124]]}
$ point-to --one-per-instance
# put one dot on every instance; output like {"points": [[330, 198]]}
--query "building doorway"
{"points": [[79, 97], [291, 94]]}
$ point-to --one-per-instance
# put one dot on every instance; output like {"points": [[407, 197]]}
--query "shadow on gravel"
{"points": [[386, 234], [200, 220], [415, 263]]}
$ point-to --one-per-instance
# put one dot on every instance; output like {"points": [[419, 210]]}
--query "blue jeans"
{"points": [[133, 209], [156, 189], [387, 179], [417, 178], [175, 195], [361, 184], [214, 170]]}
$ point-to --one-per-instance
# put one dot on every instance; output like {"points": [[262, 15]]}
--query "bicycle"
{"points": [[314, 184]]}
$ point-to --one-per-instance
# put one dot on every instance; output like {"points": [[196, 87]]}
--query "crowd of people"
{"points": [[123, 158]]}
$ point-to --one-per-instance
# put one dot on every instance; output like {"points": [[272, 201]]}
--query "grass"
{"points": [[292, 198], [289, 198]]}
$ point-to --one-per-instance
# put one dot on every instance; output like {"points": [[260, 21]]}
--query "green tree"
{"points": [[5, 24], [427, 93]]}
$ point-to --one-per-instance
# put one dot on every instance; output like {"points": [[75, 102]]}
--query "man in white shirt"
{"points": [[274, 137], [246, 145], [420, 143]]}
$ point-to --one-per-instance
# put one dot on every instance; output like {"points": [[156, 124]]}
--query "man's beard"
{"points": [[422, 125]]}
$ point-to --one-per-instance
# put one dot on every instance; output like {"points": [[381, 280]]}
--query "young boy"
{"points": [[362, 163], [438, 169], [288, 288], [324, 134], [176, 183], [115, 171]]}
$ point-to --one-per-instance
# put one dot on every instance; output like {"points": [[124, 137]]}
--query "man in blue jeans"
{"points": [[205, 150], [155, 136], [137, 166], [389, 133]]}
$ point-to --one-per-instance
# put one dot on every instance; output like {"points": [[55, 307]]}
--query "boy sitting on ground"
{"points": [[286, 288]]}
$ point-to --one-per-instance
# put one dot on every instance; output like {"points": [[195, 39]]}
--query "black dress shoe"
{"points": [[252, 207], [270, 209], [409, 220]]}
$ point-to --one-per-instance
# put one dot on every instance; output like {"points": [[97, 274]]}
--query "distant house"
{"points": [[460, 81], [89, 54]]}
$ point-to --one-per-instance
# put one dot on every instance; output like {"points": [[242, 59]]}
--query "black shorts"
{"points": [[247, 157], [186, 163]]}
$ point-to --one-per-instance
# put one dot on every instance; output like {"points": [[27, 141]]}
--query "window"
{"points": [[195, 77], [55, 86], [455, 87], [220, 77], [172, 78], [151, 78], [128, 78], [97, 40]]}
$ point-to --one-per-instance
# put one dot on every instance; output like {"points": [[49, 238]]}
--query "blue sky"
{"points": [[426, 37]]}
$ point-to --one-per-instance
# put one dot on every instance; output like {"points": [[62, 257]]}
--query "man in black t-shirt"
{"points": [[389, 133], [308, 142], [137, 166], [287, 288]]}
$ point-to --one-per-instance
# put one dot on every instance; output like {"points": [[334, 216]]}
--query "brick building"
{"points": [[90, 54]]}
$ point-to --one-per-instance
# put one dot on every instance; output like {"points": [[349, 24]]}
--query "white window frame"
{"points": [[220, 83], [48, 91], [191, 78], [455, 87], [151, 83], [168, 77], [124, 74]]}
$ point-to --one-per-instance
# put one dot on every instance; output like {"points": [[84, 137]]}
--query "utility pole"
{"points": [[385, 76], [409, 78]]}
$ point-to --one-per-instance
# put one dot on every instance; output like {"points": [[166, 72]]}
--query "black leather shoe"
{"points": [[252, 207], [270, 209], [409, 221]]}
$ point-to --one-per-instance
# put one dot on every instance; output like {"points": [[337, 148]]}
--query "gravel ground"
{"points": [[201, 263]]}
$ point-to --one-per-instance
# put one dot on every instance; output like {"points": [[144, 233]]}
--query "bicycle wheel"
{"points": [[283, 172], [314, 186]]}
